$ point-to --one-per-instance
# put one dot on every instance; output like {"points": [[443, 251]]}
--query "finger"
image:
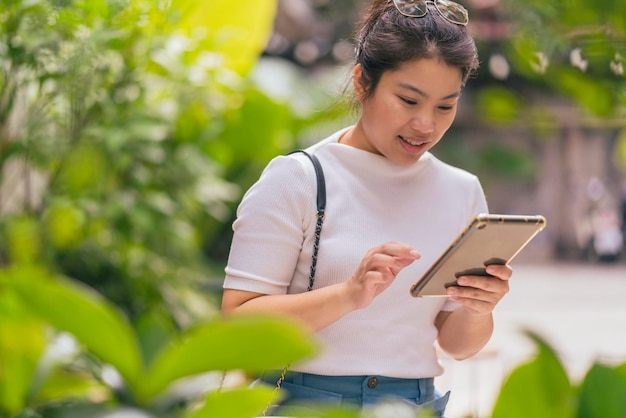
{"points": [[488, 284], [473, 297], [376, 259], [398, 249], [379, 261], [390, 264], [503, 272]]}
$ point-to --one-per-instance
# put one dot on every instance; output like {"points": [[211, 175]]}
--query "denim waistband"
{"points": [[358, 386]]}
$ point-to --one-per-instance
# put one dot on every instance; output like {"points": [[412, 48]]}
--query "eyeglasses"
{"points": [[449, 10]]}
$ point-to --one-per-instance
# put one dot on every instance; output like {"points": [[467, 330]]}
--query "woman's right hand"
{"points": [[377, 270]]}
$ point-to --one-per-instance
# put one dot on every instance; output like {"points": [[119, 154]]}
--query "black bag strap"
{"points": [[321, 208], [319, 174]]}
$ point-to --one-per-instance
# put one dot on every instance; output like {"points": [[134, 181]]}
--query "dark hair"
{"points": [[387, 39]]}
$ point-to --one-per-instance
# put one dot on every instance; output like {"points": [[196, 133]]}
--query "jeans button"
{"points": [[372, 383]]}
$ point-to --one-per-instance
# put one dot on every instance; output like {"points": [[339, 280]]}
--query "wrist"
{"points": [[347, 297], [476, 316]]}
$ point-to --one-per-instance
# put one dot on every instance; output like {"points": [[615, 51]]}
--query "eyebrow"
{"points": [[423, 94]]}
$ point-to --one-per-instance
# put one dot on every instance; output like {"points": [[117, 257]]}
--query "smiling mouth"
{"points": [[415, 143]]}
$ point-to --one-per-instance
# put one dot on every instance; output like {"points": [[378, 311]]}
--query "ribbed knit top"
{"points": [[370, 200]]}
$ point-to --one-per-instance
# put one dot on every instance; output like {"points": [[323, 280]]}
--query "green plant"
{"points": [[113, 117], [31, 299], [115, 108], [542, 388]]}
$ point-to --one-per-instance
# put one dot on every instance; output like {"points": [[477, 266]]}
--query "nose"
{"points": [[423, 122]]}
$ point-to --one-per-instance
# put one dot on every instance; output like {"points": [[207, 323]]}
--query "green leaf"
{"points": [[94, 9], [593, 95], [154, 330], [67, 385], [246, 403], [237, 403], [603, 393], [23, 240], [22, 342], [259, 120], [499, 104], [507, 161], [252, 344], [240, 30], [79, 310], [523, 55], [83, 170], [64, 223], [538, 389]]}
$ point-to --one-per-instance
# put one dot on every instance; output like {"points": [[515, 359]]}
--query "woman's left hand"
{"points": [[480, 294]]}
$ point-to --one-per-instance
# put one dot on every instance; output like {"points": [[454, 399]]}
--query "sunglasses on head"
{"points": [[449, 10]]}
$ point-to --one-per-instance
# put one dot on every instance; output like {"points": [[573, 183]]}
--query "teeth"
{"points": [[413, 143]]}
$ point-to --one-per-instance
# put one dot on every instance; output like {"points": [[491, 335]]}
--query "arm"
{"points": [[321, 307], [465, 331], [316, 309]]}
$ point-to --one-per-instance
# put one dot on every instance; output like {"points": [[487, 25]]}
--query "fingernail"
{"points": [[414, 253]]}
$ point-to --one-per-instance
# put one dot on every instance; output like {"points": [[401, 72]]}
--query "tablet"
{"points": [[487, 239]]}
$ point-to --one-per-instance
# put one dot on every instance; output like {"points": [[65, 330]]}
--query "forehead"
{"points": [[428, 75]]}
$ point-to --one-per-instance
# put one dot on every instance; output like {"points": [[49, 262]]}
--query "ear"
{"points": [[357, 83]]}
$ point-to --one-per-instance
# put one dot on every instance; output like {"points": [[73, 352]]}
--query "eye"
{"points": [[446, 108], [407, 100]]}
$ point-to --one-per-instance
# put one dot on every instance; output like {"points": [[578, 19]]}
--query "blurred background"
{"points": [[130, 129]]}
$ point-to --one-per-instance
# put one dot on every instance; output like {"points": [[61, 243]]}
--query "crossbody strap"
{"points": [[321, 208]]}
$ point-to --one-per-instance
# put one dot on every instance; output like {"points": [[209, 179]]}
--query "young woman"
{"points": [[392, 209]]}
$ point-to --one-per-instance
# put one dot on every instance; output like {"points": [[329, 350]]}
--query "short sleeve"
{"points": [[269, 228]]}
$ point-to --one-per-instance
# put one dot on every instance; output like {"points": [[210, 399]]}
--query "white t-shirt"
{"points": [[370, 201]]}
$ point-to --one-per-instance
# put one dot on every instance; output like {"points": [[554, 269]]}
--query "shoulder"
{"points": [[283, 167], [286, 178], [294, 173]]}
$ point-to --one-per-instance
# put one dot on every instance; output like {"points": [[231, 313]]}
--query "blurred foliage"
{"points": [[120, 109], [129, 130], [541, 388], [116, 372], [572, 48], [130, 113], [540, 59]]}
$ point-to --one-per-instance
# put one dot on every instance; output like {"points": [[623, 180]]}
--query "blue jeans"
{"points": [[304, 390]]}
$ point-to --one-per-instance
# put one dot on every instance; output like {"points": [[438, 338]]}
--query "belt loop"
{"points": [[426, 388]]}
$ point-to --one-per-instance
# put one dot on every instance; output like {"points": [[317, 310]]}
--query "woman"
{"points": [[392, 209]]}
